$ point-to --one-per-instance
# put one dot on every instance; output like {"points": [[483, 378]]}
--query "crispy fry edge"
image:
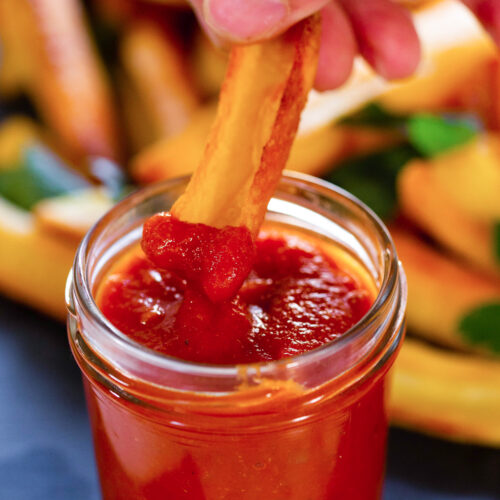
{"points": [[278, 106]]}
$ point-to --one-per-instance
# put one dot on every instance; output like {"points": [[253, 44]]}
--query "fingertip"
{"points": [[244, 20], [330, 78], [398, 54], [386, 36], [337, 49]]}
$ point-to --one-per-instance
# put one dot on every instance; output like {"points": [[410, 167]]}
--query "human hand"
{"points": [[380, 30]]}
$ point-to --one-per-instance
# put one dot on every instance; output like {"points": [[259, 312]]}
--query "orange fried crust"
{"points": [[264, 92]]}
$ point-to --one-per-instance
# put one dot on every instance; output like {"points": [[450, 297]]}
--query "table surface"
{"points": [[46, 448]]}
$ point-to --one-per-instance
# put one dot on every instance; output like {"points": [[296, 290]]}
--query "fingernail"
{"points": [[244, 20]]}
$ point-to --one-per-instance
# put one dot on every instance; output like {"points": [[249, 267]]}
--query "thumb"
{"points": [[252, 20], [245, 20]]}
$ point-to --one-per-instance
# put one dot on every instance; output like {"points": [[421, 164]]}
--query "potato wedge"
{"points": [[424, 201], [71, 216], [177, 155], [138, 127], [446, 394], [64, 76], [440, 291], [312, 153], [34, 265], [251, 137], [156, 69], [317, 152], [209, 65], [13, 66], [470, 176]]}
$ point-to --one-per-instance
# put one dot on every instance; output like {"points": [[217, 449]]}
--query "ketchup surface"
{"points": [[212, 295], [283, 295]]}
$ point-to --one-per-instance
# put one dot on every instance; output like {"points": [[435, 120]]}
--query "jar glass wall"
{"points": [[308, 427]]}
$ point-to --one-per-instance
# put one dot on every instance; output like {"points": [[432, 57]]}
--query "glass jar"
{"points": [[308, 427]]}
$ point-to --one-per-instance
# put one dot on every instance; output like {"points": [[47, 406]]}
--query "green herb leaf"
{"points": [[481, 326], [372, 178], [42, 175], [496, 240], [374, 115], [431, 135]]}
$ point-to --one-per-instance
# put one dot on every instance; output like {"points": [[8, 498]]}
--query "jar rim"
{"points": [[79, 287]]}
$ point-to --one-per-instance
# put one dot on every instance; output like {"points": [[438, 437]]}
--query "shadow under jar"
{"points": [[309, 427]]}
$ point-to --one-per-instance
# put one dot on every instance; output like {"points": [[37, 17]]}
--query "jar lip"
{"points": [[78, 283]]}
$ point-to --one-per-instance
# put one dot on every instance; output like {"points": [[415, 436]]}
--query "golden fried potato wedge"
{"points": [[251, 137], [317, 152], [446, 394], [427, 203], [34, 265], [470, 175], [138, 126], [441, 290], [71, 216], [209, 65], [13, 63], [177, 155], [62, 73], [312, 153], [157, 71]]}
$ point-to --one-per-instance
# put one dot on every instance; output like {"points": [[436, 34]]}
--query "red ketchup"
{"points": [[214, 296], [210, 295]]}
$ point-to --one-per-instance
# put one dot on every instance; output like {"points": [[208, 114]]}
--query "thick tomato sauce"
{"points": [[226, 309], [284, 295]]}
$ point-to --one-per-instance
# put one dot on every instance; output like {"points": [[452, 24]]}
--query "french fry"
{"points": [[440, 291], [449, 59], [442, 75], [209, 65], [312, 153], [448, 394], [137, 124], [156, 68], [470, 175], [177, 155], [64, 76], [256, 122], [316, 152], [13, 67], [33, 264], [70, 216], [430, 206]]}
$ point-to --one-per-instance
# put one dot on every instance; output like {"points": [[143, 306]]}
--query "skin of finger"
{"points": [[488, 12], [300, 9], [337, 49], [245, 21], [386, 36]]}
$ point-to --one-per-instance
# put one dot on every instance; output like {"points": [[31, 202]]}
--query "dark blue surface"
{"points": [[46, 448]]}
